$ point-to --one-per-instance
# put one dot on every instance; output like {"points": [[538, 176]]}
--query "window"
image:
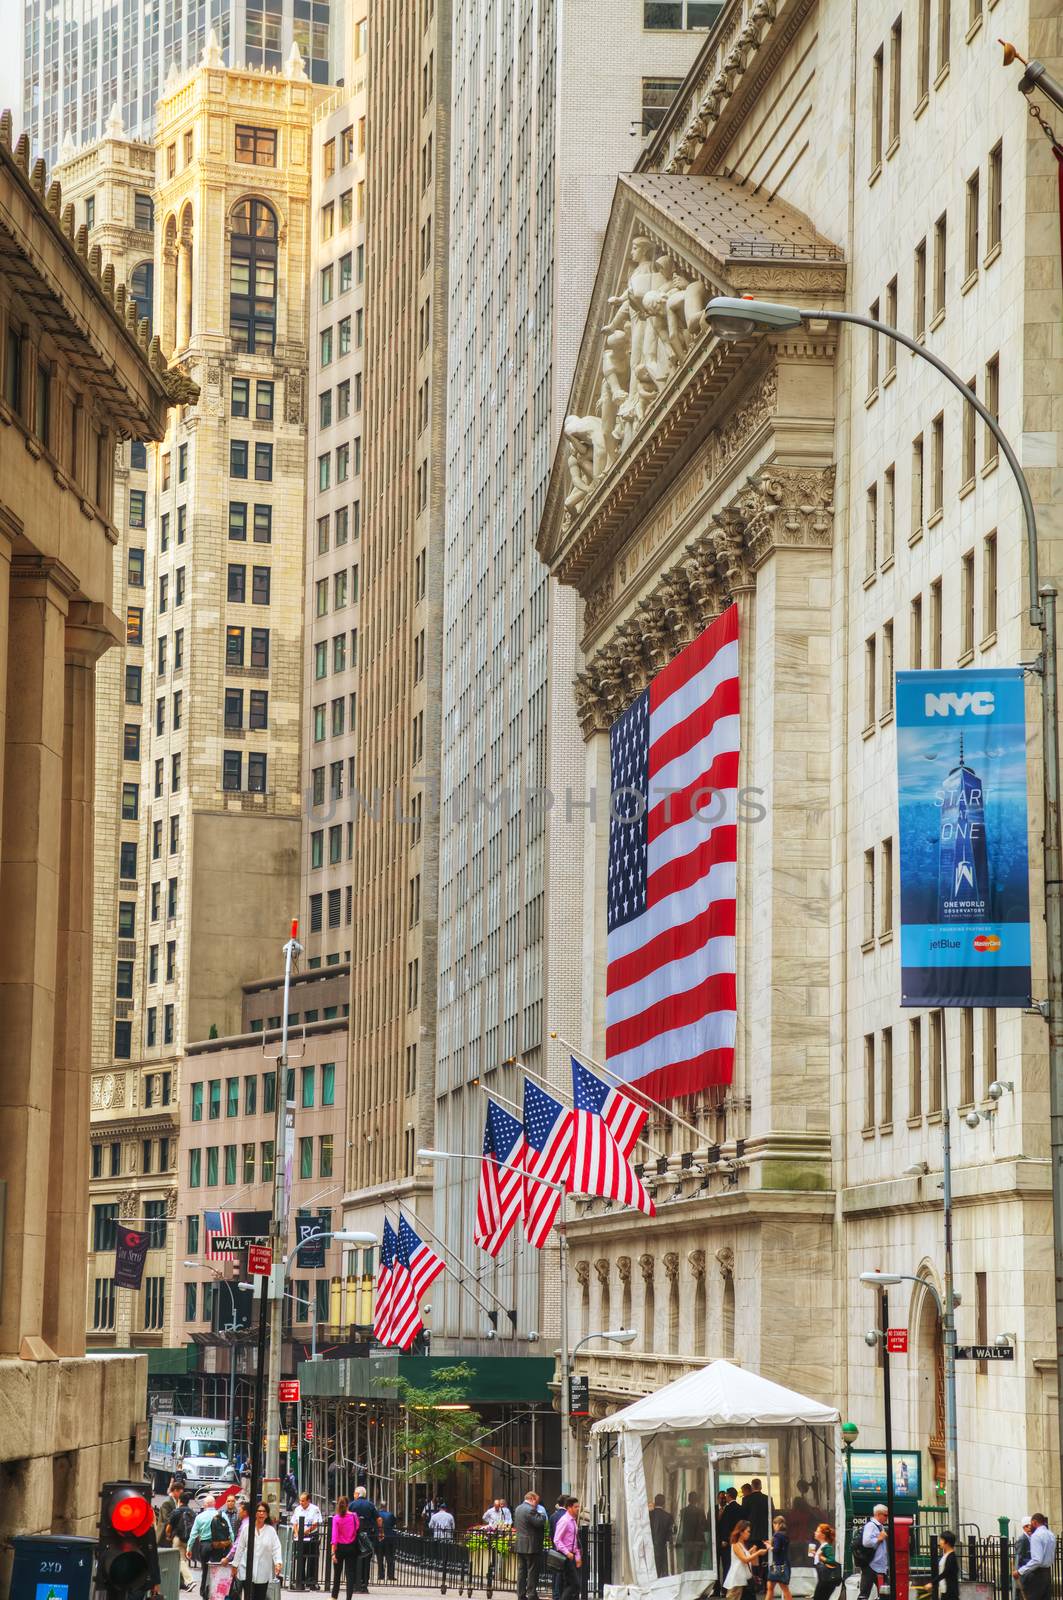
{"points": [[135, 569], [872, 352], [137, 499], [256, 772], [887, 670], [232, 770], [991, 401], [944, 34], [130, 748], [142, 291], [339, 589], [935, 623], [870, 673], [934, 1081], [871, 544], [317, 845], [306, 1158], [343, 463], [339, 653], [876, 108], [886, 1077], [260, 647], [253, 276], [967, 605], [191, 1290], [197, 1102], [917, 489], [888, 513], [966, 1056], [250, 1094], [177, 703], [885, 909], [324, 1166], [103, 1303], [267, 1161], [869, 899], [307, 1093], [315, 913], [657, 96], [212, 1166], [127, 919], [97, 1161], [256, 147], [895, 86], [237, 583], [263, 531], [143, 213], [260, 582], [230, 1164], [175, 772], [105, 1223], [344, 327], [134, 625], [919, 293], [328, 156], [326, 346], [264, 463], [915, 1068], [328, 1083], [241, 397], [182, 523], [238, 458], [187, 146], [345, 272], [127, 859], [937, 465], [132, 685], [214, 1099], [258, 714], [237, 519], [995, 199], [123, 1041], [347, 146], [320, 659], [248, 1164], [179, 587], [337, 715], [178, 649], [192, 1234], [346, 208], [182, 463], [970, 252], [130, 802], [328, 222], [989, 587], [869, 1082], [232, 1097], [234, 647], [326, 279], [940, 252], [155, 1220]]}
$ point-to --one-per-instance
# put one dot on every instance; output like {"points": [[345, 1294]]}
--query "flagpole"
{"points": [[514, 1062], [566, 1376], [493, 1094], [512, 1315], [630, 1088]]}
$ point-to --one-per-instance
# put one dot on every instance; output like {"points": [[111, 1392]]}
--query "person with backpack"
{"points": [[179, 1529], [871, 1552], [210, 1539]]}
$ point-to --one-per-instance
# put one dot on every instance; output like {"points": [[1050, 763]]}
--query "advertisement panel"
{"points": [[869, 1473], [964, 870]]}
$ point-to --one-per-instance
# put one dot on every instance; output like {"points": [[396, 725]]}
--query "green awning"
{"points": [[494, 1378], [170, 1361]]}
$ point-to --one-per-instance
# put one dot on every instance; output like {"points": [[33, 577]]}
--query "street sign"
{"points": [[309, 1430], [897, 1341], [579, 1390], [288, 1391], [260, 1260], [985, 1352], [232, 1243]]}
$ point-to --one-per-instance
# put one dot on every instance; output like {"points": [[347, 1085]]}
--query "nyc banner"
{"points": [[313, 1254], [961, 789]]}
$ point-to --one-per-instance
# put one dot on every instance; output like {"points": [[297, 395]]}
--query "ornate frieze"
{"points": [[779, 507], [108, 1091]]}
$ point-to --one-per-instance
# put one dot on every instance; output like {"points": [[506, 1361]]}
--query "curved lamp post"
{"points": [[738, 318]]}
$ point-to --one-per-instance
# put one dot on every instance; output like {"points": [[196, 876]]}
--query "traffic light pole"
{"points": [[283, 1150], [256, 1431]]}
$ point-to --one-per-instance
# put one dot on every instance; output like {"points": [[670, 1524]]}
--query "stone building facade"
{"points": [[833, 489], [79, 377]]}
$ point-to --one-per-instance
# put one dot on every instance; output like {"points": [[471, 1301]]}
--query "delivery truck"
{"points": [[196, 1446]]}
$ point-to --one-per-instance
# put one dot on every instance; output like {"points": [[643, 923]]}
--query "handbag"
{"points": [[556, 1560]]}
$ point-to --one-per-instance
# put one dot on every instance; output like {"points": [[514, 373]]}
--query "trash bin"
{"points": [[52, 1566]]}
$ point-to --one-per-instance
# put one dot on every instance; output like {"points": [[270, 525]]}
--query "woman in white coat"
{"points": [[268, 1557]]}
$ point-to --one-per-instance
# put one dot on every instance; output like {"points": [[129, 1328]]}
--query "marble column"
{"points": [[91, 629], [184, 295], [29, 893]]}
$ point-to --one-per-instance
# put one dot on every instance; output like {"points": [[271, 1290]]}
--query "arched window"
{"points": [[253, 277], [142, 290]]}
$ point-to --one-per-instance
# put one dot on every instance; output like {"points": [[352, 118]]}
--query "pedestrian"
{"points": [[441, 1522], [1022, 1543], [529, 1522], [779, 1561], [556, 1514], [1036, 1574], [662, 1532], [268, 1558], [306, 1521], [180, 1529], [566, 1540], [212, 1537], [344, 1547], [947, 1568], [872, 1553], [743, 1554], [498, 1514], [369, 1531], [291, 1490], [693, 1524], [385, 1550], [757, 1507], [825, 1563]]}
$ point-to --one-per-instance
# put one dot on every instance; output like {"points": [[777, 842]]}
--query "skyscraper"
{"points": [[80, 58], [543, 122]]}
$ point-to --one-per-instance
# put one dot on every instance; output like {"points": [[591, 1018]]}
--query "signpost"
{"points": [[259, 1260], [897, 1341], [288, 1391], [985, 1352]]}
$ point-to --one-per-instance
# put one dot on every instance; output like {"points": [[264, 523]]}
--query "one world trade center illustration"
{"points": [[963, 864]]}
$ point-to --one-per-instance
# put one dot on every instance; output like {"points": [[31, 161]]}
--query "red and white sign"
{"points": [[897, 1341], [288, 1391], [309, 1429], [259, 1260]]}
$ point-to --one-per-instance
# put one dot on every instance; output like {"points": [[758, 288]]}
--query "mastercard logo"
{"points": [[987, 941]]}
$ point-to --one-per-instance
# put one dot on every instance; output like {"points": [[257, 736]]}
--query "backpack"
{"points": [[862, 1552], [181, 1523]]}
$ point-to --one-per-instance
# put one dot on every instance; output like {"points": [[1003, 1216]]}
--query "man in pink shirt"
{"points": [[566, 1539]]}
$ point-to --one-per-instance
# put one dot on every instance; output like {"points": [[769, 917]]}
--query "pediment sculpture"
{"points": [[657, 316]]}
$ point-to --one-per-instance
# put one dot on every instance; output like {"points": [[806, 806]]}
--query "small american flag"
{"points": [[548, 1130], [416, 1266], [215, 1223], [608, 1124], [670, 986], [500, 1197], [385, 1283]]}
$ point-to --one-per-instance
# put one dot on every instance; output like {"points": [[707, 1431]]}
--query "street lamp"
{"points": [[850, 1434], [876, 1336], [739, 317], [231, 1330]]}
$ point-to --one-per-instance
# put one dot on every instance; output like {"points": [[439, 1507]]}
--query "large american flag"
{"points": [[385, 1284], [500, 1197], [670, 988], [218, 1223], [548, 1131], [607, 1127]]}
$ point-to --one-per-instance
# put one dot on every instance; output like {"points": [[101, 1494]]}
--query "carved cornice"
{"points": [[789, 507]]}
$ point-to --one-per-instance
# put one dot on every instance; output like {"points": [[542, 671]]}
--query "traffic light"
{"points": [[128, 1558]]}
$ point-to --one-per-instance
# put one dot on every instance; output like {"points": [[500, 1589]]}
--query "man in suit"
{"points": [[529, 1522], [726, 1523]]}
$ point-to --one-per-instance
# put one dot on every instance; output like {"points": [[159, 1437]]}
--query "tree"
{"points": [[432, 1434]]}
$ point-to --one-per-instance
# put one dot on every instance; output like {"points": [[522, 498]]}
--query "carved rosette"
{"points": [[601, 1267], [726, 1259], [781, 507], [647, 1266], [583, 1273], [696, 1262], [670, 1262], [623, 1268]]}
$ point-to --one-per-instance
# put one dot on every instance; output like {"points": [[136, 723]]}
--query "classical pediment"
{"points": [[649, 367]]}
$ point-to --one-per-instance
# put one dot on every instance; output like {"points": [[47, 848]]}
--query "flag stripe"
{"points": [[677, 1046], [627, 942]]}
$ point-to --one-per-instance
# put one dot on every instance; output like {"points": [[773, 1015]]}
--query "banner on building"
{"points": [[130, 1249], [964, 870], [312, 1255]]}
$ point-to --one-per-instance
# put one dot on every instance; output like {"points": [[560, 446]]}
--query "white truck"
{"points": [[196, 1446]]}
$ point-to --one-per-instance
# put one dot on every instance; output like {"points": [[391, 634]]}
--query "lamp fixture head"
{"points": [[882, 1280], [737, 317]]}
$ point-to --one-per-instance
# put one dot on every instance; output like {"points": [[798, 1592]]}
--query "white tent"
{"points": [[720, 1421]]}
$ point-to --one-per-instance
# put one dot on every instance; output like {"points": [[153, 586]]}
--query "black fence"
{"points": [[481, 1563], [987, 1560]]}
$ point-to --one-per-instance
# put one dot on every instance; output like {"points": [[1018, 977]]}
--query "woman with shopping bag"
{"points": [[268, 1561]]}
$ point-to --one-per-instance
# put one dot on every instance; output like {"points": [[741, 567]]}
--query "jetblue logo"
{"points": [[979, 704]]}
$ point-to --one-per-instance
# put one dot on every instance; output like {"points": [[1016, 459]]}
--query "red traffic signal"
{"points": [[128, 1559]]}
